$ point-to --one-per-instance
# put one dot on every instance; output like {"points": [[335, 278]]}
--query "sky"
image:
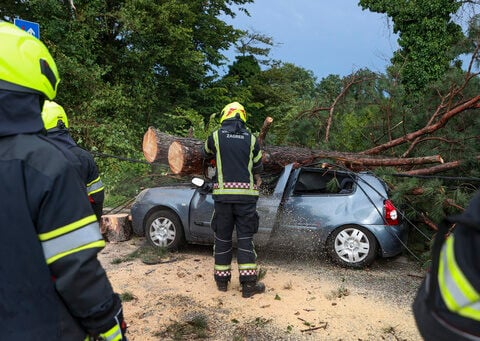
{"points": [[323, 36]]}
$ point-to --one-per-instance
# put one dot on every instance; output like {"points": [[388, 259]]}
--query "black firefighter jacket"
{"points": [[52, 285], [85, 165], [238, 158]]}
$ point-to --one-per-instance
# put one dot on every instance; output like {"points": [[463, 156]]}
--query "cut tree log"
{"points": [[116, 227], [185, 156], [155, 145]]}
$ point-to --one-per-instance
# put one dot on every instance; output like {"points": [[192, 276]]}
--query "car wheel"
{"points": [[352, 246], [163, 229]]}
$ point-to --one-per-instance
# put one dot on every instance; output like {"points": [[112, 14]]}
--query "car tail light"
{"points": [[391, 214]]}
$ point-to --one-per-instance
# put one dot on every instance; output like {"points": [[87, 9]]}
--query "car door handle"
{"points": [[201, 223]]}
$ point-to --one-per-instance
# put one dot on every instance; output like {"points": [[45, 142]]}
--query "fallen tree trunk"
{"points": [[184, 155]]}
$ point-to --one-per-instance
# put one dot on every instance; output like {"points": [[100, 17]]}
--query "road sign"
{"points": [[28, 26]]}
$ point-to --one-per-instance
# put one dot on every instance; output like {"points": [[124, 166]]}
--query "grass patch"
{"points": [[255, 329], [261, 273], [146, 253], [195, 326], [342, 292], [261, 321], [127, 296]]}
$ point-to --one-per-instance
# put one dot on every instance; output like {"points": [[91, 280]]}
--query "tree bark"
{"points": [[185, 156], [155, 145], [263, 132], [437, 169]]}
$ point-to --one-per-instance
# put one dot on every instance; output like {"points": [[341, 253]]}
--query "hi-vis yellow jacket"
{"points": [[238, 157]]}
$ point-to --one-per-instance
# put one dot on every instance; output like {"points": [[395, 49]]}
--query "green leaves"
{"points": [[427, 36]]}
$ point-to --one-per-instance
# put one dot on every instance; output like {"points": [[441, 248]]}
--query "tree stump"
{"points": [[116, 227]]}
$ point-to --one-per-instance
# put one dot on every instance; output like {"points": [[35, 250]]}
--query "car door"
{"points": [[201, 212], [311, 210], [202, 207]]}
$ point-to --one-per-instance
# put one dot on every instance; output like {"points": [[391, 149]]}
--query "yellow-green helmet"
{"points": [[52, 113], [233, 110], [25, 63]]}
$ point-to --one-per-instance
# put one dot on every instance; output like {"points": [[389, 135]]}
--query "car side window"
{"points": [[318, 182]]}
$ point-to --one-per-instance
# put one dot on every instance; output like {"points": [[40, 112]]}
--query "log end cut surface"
{"points": [[176, 157], [149, 145]]}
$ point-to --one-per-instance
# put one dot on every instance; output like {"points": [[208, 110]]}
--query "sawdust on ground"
{"points": [[307, 298]]}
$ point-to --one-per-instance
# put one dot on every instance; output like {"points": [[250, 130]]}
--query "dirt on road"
{"points": [[307, 297]]}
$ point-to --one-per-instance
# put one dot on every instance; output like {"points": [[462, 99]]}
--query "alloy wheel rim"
{"points": [[352, 245], [162, 232]]}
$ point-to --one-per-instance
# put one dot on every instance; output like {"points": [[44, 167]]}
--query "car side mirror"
{"points": [[198, 182]]}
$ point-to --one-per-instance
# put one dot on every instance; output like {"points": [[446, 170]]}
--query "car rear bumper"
{"points": [[391, 243]]}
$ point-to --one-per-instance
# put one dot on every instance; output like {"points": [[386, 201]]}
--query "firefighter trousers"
{"points": [[244, 219]]}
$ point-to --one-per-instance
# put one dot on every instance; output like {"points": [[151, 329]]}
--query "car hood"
{"points": [[167, 194]]}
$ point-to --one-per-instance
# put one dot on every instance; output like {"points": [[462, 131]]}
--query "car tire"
{"points": [[164, 229], [352, 246]]}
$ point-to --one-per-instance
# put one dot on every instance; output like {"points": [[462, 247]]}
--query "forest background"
{"points": [[129, 65]]}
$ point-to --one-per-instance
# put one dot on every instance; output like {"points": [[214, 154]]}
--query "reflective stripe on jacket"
{"points": [[447, 305], [459, 295], [80, 235]]}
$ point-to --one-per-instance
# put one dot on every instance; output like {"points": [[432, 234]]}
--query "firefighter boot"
{"points": [[222, 285], [251, 288]]}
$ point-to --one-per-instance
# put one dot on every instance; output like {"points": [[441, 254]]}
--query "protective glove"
{"points": [[113, 328], [117, 331]]}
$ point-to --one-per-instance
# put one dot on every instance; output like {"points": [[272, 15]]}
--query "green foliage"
{"points": [[353, 131], [427, 35]]}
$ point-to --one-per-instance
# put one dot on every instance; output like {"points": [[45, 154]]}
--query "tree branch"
{"points": [[428, 129]]}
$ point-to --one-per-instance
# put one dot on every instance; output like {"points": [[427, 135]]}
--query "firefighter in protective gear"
{"points": [[56, 123], [53, 286], [238, 160], [447, 305]]}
